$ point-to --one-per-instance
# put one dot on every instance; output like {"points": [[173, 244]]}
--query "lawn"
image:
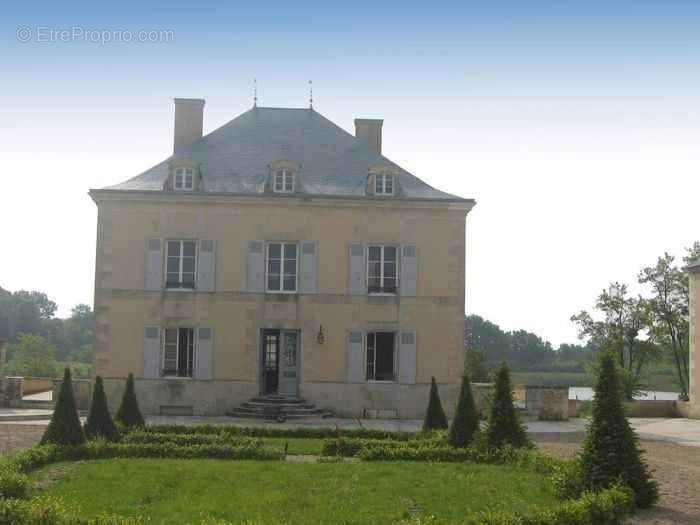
{"points": [[182, 491]]}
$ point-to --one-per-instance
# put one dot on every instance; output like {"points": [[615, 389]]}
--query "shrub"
{"points": [[129, 414], [435, 416], [13, 484], [65, 427], [262, 432], [466, 421], [504, 425], [99, 422], [611, 451], [141, 437]]}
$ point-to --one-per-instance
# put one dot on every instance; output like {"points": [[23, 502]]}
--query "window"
{"points": [[380, 356], [184, 179], [284, 181], [383, 184], [178, 352], [181, 264], [282, 267], [381, 269]]}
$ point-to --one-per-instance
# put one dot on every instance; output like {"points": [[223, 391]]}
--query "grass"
{"points": [[182, 491]]}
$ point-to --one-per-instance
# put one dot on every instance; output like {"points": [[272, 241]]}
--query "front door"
{"points": [[270, 361], [289, 363]]}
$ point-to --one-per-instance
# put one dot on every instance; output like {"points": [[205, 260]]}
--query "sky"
{"points": [[575, 125]]}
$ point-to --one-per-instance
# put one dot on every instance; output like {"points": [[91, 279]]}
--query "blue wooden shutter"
{"points": [[357, 284], [407, 357], [355, 358], [308, 267], [204, 354], [154, 265], [409, 270], [151, 352], [256, 267], [206, 266]]}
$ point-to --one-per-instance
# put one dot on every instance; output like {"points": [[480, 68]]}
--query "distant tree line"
{"points": [[40, 343]]}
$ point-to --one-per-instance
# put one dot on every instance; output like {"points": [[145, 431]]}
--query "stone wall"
{"points": [[11, 391], [548, 403]]}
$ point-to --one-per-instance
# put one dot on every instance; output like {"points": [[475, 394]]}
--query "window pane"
{"points": [[374, 253], [188, 264], [290, 251], [173, 248], [172, 278], [290, 267], [188, 181], [273, 282], [189, 248], [274, 251], [288, 182], [178, 181], [384, 369], [273, 266], [389, 184], [188, 280], [170, 336], [374, 269], [289, 284], [173, 264], [390, 253], [389, 269]]}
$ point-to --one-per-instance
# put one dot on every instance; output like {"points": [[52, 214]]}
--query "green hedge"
{"points": [[609, 507], [262, 432], [140, 437]]}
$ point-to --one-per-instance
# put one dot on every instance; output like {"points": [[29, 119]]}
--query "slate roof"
{"points": [[694, 266], [234, 158]]}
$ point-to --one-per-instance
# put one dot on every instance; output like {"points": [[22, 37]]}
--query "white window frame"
{"points": [[181, 263], [193, 341], [186, 179], [394, 352], [282, 244], [380, 184], [381, 268], [287, 179]]}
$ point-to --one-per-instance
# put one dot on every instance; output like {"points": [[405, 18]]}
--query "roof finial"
{"points": [[255, 92], [311, 94]]}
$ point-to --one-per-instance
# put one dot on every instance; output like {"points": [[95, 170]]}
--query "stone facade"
{"points": [[694, 276], [236, 315]]}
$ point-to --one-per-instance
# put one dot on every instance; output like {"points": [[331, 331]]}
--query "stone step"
{"points": [[278, 410], [37, 404], [276, 399], [238, 413], [280, 405]]}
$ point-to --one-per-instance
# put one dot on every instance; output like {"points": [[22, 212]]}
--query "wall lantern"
{"points": [[320, 338]]}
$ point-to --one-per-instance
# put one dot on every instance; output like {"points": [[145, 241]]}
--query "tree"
{"points": [[435, 418], [625, 321], [611, 450], [32, 355], [65, 427], [475, 365], [129, 414], [99, 423], [466, 421], [504, 425]]}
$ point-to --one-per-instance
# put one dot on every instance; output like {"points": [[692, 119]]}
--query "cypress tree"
{"points": [[611, 451], [65, 427], [504, 425], [466, 421], [99, 423], [435, 418], [129, 414]]}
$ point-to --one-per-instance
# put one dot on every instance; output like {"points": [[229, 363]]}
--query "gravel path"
{"points": [[676, 467]]}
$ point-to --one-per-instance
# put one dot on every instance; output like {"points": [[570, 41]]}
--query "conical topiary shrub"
{"points": [[65, 427], [611, 451], [129, 414], [466, 421], [435, 416], [99, 423], [504, 425]]}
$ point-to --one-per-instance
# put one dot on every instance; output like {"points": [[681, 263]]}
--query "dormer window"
{"points": [[283, 181], [383, 184], [183, 179]]}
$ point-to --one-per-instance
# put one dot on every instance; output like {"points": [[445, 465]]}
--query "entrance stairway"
{"points": [[278, 408]]}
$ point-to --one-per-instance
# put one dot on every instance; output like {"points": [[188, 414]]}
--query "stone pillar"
{"points": [[11, 392]]}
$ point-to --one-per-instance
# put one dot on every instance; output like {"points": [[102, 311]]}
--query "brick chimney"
{"points": [[189, 117], [369, 131]]}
